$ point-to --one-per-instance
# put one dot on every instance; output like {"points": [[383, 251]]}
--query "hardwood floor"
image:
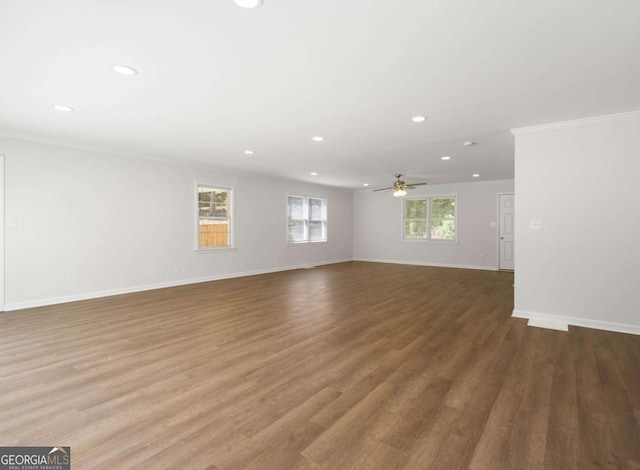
{"points": [[348, 366]]}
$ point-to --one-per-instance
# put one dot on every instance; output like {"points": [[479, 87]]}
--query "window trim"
{"points": [[404, 218], [231, 216], [326, 220], [428, 237]]}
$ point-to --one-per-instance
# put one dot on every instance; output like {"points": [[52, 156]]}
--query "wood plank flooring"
{"points": [[349, 366]]}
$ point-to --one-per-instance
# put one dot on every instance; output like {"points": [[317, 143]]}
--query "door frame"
{"points": [[2, 232], [512, 193]]}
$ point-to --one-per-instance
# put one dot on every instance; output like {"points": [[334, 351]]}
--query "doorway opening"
{"points": [[506, 208]]}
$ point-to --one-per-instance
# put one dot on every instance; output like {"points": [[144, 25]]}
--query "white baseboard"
{"points": [[562, 323], [425, 263], [160, 285], [541, 320]]}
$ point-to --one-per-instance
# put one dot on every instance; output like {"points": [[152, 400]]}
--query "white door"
{"points": [[506, 231]]}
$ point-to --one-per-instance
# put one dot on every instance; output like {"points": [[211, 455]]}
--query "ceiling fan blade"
{"points": [[383, 189], [412, 185]]}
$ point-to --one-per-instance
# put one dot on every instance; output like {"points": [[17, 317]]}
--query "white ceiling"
{"points": [[215, 79]]}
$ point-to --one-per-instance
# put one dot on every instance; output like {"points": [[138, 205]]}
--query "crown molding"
{"points": [[553, 126], [73, 145]]}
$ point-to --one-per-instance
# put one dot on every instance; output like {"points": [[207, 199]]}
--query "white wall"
{"points": [[582, 179], [378, 227], [81, 224]]}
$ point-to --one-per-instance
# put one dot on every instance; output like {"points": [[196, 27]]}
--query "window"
{"points": [[415, 218], [306, 219], [214, 217], [431, 218]]}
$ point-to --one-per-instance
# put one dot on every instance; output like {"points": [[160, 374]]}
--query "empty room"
{"points": [[298, 234]]}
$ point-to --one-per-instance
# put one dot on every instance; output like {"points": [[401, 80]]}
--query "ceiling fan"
{"points": [[400, 187]]}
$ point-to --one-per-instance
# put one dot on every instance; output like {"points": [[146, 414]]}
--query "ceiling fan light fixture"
{"points": [[248, 4], [400, 187]]}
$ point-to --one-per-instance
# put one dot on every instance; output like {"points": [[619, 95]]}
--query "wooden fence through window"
{"points": [[213, 235]]}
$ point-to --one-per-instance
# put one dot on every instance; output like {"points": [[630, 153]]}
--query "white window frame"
{"points": [[428, 199], [230, 215], [326, 221]]}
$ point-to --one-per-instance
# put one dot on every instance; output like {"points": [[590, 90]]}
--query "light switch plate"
{"points": [[535, 224]]}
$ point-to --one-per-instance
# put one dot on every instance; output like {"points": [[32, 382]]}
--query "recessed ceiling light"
{"points": [[418, 119], [476, 175], [317, 138], [313, 173], [59, 107], [249, 152], [248, 3], [446, 157], [470, 143], [365, 184], [124, 70]]}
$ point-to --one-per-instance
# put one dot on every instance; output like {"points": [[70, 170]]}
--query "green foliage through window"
{"points": [[431, 218], [415, 218]]}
